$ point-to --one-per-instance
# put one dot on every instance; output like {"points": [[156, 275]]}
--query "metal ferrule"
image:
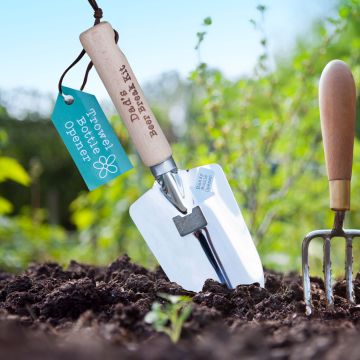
{"points": [[166, 174], [164, 167]]}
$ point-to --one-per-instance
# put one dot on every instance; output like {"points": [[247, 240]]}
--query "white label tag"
{"points": [[202, 185]]}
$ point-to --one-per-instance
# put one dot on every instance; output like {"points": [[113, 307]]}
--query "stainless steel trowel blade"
{"points": [[182, 257]]}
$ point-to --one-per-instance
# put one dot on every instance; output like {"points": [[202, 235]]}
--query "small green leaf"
{"points": [[186, 311], [344, 12], [201, 35], [202, 66], [83, 218], [3, 137], [207, 21], [5, 206], [10, 169], [332, 21], [150, 317], [170, 318]]}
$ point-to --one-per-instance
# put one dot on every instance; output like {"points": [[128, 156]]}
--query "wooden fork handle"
{"points": [[337, 100]]}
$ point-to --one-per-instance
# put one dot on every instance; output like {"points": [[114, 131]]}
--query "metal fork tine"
{"points": [[327, 271], [327, 235], [306, 275], [348, 270]]}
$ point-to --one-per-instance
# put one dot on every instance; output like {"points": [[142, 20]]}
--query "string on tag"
{"points": [[98, 14]]}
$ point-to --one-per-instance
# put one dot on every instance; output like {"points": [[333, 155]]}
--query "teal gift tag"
{"points": [[90, 139]]}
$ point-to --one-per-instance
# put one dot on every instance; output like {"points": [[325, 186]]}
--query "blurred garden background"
{"points": [[261, 124]]}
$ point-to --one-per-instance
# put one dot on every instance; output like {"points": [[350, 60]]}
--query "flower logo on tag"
{"points": [[106, 165]]}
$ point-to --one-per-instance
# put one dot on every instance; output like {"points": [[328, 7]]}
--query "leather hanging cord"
{"points": [[80, 56], [90, 65], [98, 14]]}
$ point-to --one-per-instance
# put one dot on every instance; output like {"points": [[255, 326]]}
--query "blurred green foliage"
{"points": [[264, 130], [35, 143], [10, 169]]}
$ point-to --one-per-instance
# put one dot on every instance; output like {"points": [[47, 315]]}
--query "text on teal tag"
{"points": [[89, 138]]}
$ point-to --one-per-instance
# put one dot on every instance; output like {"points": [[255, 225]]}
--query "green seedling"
{"points": [[170, 317]]}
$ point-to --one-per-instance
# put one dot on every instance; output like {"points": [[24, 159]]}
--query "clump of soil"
{"points": [[91, 312]]}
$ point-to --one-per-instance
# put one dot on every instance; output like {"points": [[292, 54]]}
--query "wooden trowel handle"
{"points": [[337, 98], [126, 94]]}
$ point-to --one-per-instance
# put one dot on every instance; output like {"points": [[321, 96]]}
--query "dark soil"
{"points": [[87, 312]]}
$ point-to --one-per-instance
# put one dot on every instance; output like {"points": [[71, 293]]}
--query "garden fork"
{"points": [[337, 99]]}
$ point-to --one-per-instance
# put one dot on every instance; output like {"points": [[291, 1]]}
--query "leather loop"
{"points": [[98, 14]]}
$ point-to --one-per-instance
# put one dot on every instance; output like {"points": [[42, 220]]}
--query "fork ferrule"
{"points": [[339, 194]]}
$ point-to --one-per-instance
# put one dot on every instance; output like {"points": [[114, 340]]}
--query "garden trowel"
{"points": [[189, 219]]}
